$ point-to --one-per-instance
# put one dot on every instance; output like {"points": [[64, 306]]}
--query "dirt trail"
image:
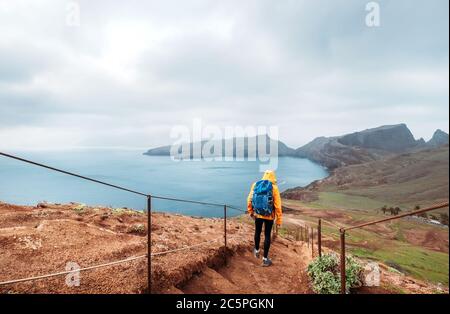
{"points": [[244, 273]]}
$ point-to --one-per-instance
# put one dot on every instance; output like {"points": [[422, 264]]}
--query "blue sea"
{"points": [[219, 182]]}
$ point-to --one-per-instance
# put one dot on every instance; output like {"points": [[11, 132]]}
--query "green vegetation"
{"points": [[341, 200], [388, 242], [444, 218], [412, 260], [373, 190], [406, 180], [325, 275], [79, 208], [283, 232], [138, 228], [119, 211], [395, 251]]}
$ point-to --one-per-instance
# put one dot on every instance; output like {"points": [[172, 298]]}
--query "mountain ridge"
{"points": [[331, 152], [405, 180]]}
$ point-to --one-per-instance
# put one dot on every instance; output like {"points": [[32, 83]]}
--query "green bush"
{"points": [[138, 228], [79, 208], [325, 274]]}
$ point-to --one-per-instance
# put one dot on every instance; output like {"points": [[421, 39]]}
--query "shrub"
{"points": [[325, 274], [79, 208], [444, 218], [138, 228], [423, 215]]}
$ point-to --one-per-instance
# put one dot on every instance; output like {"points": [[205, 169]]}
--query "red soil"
{"points": [[40, 240], [36, 241], [437, 241]]}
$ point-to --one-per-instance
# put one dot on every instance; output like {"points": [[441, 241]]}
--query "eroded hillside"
{"points": [[405, 180]]}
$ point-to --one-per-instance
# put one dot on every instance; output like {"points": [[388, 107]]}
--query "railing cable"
{"points": [[236, 208], [185, 200], [72, 174], [129, 259]]}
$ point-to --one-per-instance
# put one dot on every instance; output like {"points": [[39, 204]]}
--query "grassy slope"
{"points": [[390, 247], [407, 180], [343, 200]]}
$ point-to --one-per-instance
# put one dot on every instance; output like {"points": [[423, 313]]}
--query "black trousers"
{"points": [[259, 222]]}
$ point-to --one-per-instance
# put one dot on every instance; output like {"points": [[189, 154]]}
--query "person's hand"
{"points": [[252, 215]]}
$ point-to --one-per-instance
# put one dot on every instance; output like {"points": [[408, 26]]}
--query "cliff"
{"points": [[439, 138], [359, 147]]}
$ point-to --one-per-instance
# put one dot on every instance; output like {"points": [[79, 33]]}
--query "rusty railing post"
{"points": [[307, 236], [312, 241], [225, 226], [343, 288], [149, 243], [319, 237]]}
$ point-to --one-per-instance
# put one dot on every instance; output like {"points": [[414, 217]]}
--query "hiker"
{"points": [[264, 206]]}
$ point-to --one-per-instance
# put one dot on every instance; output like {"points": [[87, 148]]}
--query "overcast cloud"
{"points": [[134, 69]]}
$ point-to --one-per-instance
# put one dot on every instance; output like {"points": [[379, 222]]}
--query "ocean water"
{"points": [[219, 182]]}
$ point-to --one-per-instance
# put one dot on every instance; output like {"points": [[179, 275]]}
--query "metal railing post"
{"points": [[225, 225], [343, 288], [312, 242], [307, 235], [319, 237], [149, 242]]}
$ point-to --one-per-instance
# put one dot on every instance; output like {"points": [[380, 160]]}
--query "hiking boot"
{"points": [[266, 262], [256, 253]]}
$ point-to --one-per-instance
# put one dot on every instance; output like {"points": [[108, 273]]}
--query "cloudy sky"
{"points": [[132, 70]]}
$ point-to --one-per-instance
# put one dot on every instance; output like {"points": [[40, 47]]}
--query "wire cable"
{"points": [[73, 174]]}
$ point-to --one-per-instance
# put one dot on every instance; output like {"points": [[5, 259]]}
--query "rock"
{"points": [[371, 275], [359, 147], [391, 138], [439, 138]]}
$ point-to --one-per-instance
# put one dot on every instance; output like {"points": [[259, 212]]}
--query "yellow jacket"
{"points": [[276, 213]]}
